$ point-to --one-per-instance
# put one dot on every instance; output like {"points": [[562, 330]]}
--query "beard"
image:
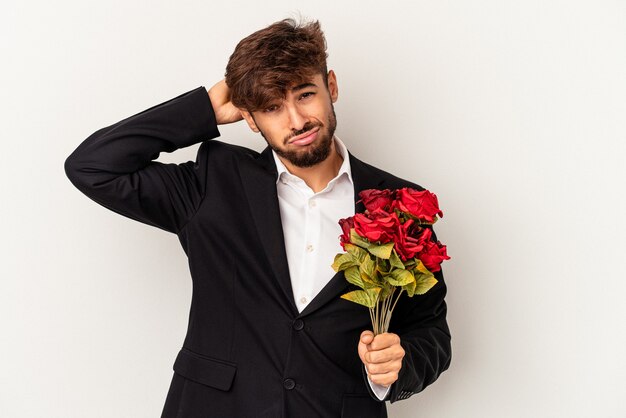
{"points": [[314, 153]]}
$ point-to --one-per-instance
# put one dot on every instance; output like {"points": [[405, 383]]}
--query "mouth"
{"points": [[306, 138]]}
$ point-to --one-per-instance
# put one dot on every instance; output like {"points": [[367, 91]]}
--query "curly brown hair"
{"points": [[271, 60]]}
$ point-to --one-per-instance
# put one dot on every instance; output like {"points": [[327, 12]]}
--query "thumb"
{"points": [[366, 338]]}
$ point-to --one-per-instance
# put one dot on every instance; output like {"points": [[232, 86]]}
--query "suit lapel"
{"points": [[259, 181]]}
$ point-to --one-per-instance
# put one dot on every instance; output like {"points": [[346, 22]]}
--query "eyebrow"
{"points": [[303, 86]]}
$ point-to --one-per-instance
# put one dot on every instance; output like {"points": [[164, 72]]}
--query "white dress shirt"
{"points": [[311, 230]]}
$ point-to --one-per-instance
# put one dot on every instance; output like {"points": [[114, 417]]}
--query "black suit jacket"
{"points": [[248, 352]]}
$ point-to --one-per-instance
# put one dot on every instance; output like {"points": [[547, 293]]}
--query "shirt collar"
{"points": [[345, 165]]}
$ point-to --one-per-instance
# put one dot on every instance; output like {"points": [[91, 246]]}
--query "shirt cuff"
{"points": [[379, 390]]}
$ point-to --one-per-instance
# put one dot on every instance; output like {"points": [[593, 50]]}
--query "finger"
{"points": [[395, 352], [385, 340], [362, 350], [381, 368], [220, 93], [367, 337], [234, 114], [384, 379]]}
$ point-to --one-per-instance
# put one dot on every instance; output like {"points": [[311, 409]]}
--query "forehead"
{"points": [[313, 81]]}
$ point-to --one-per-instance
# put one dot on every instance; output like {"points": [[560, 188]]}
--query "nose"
{"points": [[296, 118]]}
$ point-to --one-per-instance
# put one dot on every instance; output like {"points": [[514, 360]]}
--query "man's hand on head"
{"points": [[382, 356], [225, 111]]}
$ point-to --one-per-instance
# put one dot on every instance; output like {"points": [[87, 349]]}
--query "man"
{"points": [[268, 334]]}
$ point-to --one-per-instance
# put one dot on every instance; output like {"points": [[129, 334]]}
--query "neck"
{"points": [[318, 176]]}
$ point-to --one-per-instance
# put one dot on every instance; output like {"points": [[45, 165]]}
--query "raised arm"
{"points": [[114, 166]]}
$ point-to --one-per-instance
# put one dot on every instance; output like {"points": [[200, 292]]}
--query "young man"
{"points": [[268, 334]]}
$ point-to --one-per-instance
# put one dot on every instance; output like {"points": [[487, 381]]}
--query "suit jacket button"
{"points": [[289, 384], [298, 324]]}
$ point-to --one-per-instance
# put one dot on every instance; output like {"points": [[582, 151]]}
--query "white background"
{"points": [[513, 113]]}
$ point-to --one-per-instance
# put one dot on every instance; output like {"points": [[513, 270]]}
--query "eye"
{"points": [[270, 109], [307, 94]]}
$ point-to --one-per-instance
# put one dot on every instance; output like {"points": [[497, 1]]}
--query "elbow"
{"points": [[78, 173], [446, 356], [71, 168]]}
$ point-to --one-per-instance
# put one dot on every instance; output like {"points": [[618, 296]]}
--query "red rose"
{"points": [[421, 204], [346, 224], [410, 239], [379, 226], [376, 199], [433, 255]]}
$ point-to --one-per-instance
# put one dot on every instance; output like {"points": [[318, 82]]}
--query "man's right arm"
{"points": [[114, 166]]}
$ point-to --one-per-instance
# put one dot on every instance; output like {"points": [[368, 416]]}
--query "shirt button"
{"points": [[302, 299], [289, 384], [309, 248], [312, 203], [298, 324]]}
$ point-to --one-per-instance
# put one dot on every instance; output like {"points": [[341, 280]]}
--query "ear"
{"points": [[249, 119], [332, 86]]}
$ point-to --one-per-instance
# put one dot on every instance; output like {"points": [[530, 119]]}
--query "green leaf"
{"points": [[358, 296], [385, 292], [366, 298], [383, 266], [381, 251], [374, 294], [400, 277], [424, 284], [357, 252], [343, 261], [395, 260], [425, 280], [410, 288], [368, 266], [421, 268], [409, 264], [368, 281], [359, 240], [353, 276]]}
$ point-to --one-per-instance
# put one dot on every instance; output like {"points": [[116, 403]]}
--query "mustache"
{"points": [[307, 127]]}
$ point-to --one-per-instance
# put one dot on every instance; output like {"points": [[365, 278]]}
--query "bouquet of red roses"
{"points": [[388, 248]]}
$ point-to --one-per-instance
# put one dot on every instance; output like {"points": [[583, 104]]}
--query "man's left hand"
{"points": [[382, 356]]}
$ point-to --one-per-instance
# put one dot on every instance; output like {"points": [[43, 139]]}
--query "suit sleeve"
{"points": [[420, 322], [114, 166]]}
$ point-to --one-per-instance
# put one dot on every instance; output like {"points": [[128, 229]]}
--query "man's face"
{"points": [[300, 127]]}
